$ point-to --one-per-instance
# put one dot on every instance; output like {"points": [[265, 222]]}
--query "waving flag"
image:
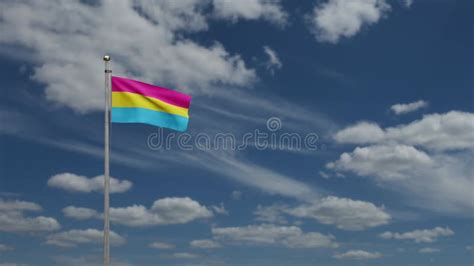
{"points": [[137, 102]]}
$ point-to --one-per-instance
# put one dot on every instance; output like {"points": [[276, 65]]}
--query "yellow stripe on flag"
{"points": [[127, 99]]}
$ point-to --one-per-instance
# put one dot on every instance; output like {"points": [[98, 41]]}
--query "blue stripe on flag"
{"points": [[146, 116]]}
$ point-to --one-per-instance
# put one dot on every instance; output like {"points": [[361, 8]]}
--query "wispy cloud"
{"points": [[75, 237], [205, 244], [80, 213], [165, 211], [345, 214], [272, 235], [77, 183], [420, 236], [403, 108], [185, 255], [273, 62], [439, 132], [251, 10], [428, 250], [408, 3], [183, 62], [425, 161], [13, 218], [4, 248], [336, 19], [161, 245], [358, 255]]}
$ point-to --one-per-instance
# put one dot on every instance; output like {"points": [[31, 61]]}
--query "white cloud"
{"points": [[344, 213], [273, 62], [360, 133], [392, 162], [16, 222], [428, 250], [72, 238], [336, 19], [161, 245], [83, 184], [172, 210], [448, 131], [80, 213], [4, 248], [176, 15], [266, 234], [269, 10], [310, 240], [219, 209], [12, 218], [236, 195], [427, 161], [270, 214], [67, 47], [438, 132], [18, 205], [205, 244], [403, 108], [408, 3], [439, 182], [185, 255], [163, 211], [420, 236], [358, 255], [324, 175]]}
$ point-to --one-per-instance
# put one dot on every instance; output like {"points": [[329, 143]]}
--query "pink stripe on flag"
{"points": [[164, 94]]}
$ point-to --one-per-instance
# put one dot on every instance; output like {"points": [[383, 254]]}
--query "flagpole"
{"points": [[106, 160]]}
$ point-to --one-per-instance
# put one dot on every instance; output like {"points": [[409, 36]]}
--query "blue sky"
{"points": [[386, 86]]}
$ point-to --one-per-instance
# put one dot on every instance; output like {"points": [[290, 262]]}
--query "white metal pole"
{"points": [[106, 161]]}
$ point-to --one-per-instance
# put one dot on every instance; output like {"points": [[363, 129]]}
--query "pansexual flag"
{"points": [[137, 102]]}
